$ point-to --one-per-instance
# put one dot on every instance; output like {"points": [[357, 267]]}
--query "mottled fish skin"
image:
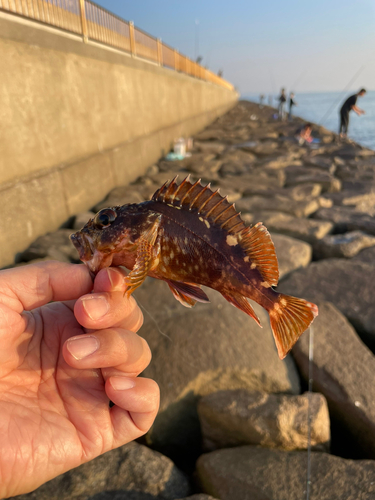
{"points": [[189, 236]]}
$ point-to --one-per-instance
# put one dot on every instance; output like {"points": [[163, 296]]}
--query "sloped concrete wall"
{"points": [[78, 119]]}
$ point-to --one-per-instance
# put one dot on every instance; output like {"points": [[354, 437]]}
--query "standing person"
{"points": [[261, 99], [270, 100], [292, 103], [349, 104], [282, 101]]}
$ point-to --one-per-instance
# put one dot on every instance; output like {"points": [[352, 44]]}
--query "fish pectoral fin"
{"points": [[289, 318], [189, 290], [239, 301], [183, 299], [144, 260]]}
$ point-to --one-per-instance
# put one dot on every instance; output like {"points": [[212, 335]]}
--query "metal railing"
{"points": [[92, 22]]}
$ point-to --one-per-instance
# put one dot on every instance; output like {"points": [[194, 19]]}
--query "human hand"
{"points": [[54, 401]]}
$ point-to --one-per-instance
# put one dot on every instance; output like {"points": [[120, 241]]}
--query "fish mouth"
{"points": [[89, 254], [84, 246]]}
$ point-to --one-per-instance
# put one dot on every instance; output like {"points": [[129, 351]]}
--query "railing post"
{"points": [[132, 38], [176, 59], [83, 20], [160, 52]]}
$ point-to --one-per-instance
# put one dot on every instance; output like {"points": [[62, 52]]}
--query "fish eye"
{"points": [[104, 218]]}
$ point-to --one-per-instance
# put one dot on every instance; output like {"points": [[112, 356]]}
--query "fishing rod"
{"points": [[336, 103]]}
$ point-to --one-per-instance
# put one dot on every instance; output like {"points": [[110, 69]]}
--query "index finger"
{"points": [[27, 287]]}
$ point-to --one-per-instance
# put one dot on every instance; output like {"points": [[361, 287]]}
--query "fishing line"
{"points": [[293, 88], [164, 334], [310, 376], [336, 103]]}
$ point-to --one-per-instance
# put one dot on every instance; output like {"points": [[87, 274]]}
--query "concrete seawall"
{"points": [[78, 119]]}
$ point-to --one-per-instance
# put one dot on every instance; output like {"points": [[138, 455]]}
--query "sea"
{"points": [[323, 108]]}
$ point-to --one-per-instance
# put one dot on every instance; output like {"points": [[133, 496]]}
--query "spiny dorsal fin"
{"points": [[210, 204], [256, 241]]}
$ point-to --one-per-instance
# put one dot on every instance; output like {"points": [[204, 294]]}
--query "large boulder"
{"points": [[343, 245], [291, 253], [346, 219], [132, 470], [348, 284], [235, 418], [251, 473], [344, 371], [280, 203], [367, 256], [202, 350], [308, 230]]}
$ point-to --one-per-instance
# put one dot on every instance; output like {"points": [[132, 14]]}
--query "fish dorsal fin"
{"points": [[258, 245], [213, 207], [255, 241]]}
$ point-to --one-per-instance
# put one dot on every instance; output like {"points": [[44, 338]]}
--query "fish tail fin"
{"points": [[289, 318]]}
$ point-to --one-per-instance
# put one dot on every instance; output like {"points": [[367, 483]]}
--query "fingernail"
{"points": [[122, 383], [116, 279], [81, 347], [95, 306]]}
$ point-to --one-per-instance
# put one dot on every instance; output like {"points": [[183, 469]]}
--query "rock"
{"points": [[56, 246], [342, 245], [81, 219], [209, 147], [296, 193], [202, 350], [308, 230], [262, 149], [296, 175], [367, 256], [206, 167], [344, 371], [236, 418], [346, 219], [291, 253], [349, 285], [247, 181], [133, 469], [323, 163], [255, 473], [278, 203], [198, 496], [232, 168], [122, 195]]}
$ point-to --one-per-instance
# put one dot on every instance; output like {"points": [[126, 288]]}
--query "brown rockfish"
{"points": [[188, 236]]}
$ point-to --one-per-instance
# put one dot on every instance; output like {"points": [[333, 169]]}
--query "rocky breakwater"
{"points": [[233, 421]]}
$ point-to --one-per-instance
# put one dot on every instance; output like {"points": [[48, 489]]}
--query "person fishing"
{"points": [[349, 104], [292, 103], [282, 101]]}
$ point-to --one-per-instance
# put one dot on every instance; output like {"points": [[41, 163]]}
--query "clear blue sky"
{"points": [[262, 45]]}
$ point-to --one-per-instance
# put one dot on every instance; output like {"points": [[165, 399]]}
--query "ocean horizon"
{"points": [[323, 108]]}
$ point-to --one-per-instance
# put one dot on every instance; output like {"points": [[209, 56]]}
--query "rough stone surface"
{"points": [[291, 253], [308, 230], [349, 285], [346, 219], [342, 245], [344, 371], [56, 245], [202, 350], [198, 496], [133, 469], [251, 473], [235, 418], [367, 256], [280, 203]]}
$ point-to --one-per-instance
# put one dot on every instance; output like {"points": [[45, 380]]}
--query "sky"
{"points": [[262, 45]]}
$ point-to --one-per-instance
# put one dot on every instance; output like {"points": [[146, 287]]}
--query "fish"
{"points": [[190, 236]]}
